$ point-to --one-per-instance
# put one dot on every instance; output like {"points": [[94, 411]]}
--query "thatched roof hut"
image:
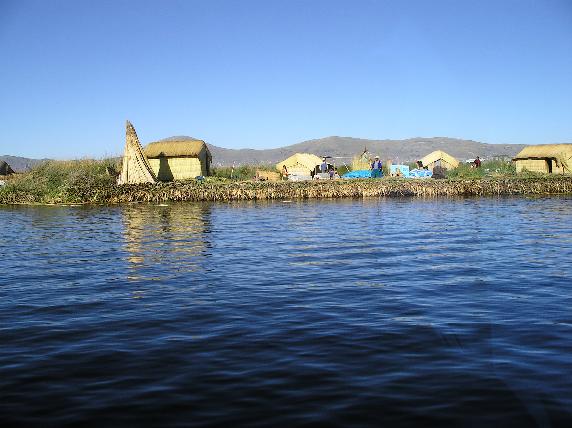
{"points": [[300, 163], [175, 159], [136, 168], [545, 158], [362, 161], [441, 159], [5, 169]]}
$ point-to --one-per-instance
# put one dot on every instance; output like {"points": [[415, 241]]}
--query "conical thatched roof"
{"points": [[304, 161], [136, 168], [440, 155], [5, 169], [176, 148]]}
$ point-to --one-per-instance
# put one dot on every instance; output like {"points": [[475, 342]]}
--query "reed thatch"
{"points": [[545, 158], [362, 161], [5, 169], [263, 175], [440, 158], [136, 168], [83, 192], [179, 159], [300, 163], [176, 148]]}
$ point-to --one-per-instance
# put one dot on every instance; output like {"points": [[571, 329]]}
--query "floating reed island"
{"points": [[207, 190], [321, 189]]}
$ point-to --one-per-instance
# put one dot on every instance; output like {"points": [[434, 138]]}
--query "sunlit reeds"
{"points": [[89, 182]]}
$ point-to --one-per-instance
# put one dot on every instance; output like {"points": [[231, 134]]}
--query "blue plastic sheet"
{"points": [[403, 170], [362, 173], [420, 173]]}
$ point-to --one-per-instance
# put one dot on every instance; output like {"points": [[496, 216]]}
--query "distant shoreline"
{"points": [[194, 191]]}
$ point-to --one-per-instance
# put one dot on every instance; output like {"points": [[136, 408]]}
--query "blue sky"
{"points": [[264, 74]]}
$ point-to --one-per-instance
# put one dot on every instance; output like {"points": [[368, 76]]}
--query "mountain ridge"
{"points": [[345, 148], [342, 149]]}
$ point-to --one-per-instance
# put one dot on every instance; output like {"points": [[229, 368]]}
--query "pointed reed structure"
{"points": [[136, 168]]}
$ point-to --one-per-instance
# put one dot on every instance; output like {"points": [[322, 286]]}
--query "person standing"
{"points": [[324, 166], [376, 168], [477, 162]]}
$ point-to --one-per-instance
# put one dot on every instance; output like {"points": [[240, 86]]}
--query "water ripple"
{"points": [[353, 312]]}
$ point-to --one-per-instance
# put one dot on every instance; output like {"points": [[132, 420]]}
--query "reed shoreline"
{"points": [[248, 190]]}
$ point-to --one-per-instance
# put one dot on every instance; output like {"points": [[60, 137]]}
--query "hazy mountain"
{"points": [[341, 148], [20, 164], [344, 148]]}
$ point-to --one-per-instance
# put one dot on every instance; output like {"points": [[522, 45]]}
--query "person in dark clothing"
{"points": [[477, 162]]}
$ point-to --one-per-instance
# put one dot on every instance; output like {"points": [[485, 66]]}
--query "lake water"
{"points": [[341, 312]]}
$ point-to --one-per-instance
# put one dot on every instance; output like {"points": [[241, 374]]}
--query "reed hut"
{"points": [[5, 169], [362, 161], [135, 166], [545, 158], [300, 164], [179, 159], [262, 175], [441, 159]]}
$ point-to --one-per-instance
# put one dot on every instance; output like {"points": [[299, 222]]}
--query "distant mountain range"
{"points": [[20, 164], [341, 148], [345, 148]]}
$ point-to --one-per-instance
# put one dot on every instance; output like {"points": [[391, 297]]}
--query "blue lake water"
{"points": [[341, 312]]}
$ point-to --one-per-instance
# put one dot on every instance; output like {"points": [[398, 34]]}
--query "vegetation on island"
{"points": [[93, 181]]}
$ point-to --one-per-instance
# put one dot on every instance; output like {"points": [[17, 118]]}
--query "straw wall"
{"points": [[443, 163], [540, 165], [360, 163], [267, 175], [299, 170], [532, 165], [168, 169]]}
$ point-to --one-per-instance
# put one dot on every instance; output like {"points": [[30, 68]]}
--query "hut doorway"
{"points": [[549, 165]]}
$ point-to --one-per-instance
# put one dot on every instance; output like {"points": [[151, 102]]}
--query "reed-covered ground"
{"points": [[88, 181]]}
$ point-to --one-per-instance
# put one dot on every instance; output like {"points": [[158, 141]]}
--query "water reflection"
{"points": [[164, 241]]}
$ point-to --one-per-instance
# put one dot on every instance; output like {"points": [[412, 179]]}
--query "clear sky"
{"points": [[269, 73]]}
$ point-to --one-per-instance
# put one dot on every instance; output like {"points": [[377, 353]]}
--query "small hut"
{"points": [[545, 158], [439, 158], [300, 164], [174, 159], [362, 161], [135, 166], [5, 169]]}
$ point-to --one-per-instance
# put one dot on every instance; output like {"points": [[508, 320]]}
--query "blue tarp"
{"points": [[362, 173], [403, 169], [420, 173]]}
